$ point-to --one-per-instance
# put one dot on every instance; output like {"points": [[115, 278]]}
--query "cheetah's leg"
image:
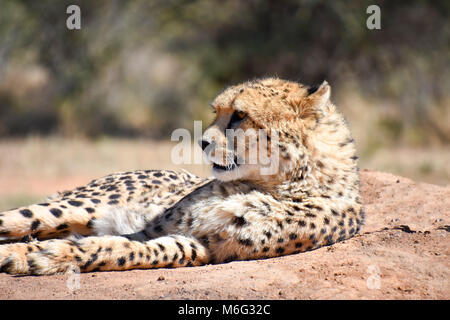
{"points": [[102, 253], [49, 220]]}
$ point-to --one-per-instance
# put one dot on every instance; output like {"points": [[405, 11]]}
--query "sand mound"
{"points": [[401, 253]]}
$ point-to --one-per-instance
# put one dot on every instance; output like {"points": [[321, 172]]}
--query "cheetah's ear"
{"points": [[313, 105], [319, 96]]}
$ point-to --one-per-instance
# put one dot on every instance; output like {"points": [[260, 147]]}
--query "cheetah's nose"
{"points": [[203, 144]]}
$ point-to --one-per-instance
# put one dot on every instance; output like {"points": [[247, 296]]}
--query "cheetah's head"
{"points": [[273, 130]]}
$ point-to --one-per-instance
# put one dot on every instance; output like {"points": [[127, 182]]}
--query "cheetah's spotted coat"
{"points": [[154, 219]]}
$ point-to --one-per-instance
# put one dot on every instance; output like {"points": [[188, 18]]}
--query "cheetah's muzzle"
{"points": [[229, 167]]}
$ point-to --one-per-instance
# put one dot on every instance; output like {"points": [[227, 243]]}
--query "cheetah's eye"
{"points": [[241, 115], [236, 117]]}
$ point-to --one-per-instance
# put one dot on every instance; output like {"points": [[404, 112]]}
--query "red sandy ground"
{"points": [[401, 253]]}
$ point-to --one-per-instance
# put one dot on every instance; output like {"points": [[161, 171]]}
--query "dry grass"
{"points": [[32, 168], [427, 165]]}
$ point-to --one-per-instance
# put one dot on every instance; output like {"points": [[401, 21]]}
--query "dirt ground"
{"points": [[401, 253]]}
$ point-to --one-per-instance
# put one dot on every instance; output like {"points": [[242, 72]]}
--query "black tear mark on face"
{"points": [[236, 118]]}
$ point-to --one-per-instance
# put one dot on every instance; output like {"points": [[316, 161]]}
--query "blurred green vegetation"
{"points": [[144, 68]]}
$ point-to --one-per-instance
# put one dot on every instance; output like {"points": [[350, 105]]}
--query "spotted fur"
{"points": [[160, 218]]}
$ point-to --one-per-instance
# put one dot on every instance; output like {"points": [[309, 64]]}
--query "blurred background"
{"points": [[79, 104]]}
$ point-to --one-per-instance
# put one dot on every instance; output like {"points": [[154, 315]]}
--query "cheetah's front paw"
{"points": [[21, 259], [54, 259], [13, 261]]}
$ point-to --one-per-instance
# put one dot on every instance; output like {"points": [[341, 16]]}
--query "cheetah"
{"points": [[166, 219]]}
